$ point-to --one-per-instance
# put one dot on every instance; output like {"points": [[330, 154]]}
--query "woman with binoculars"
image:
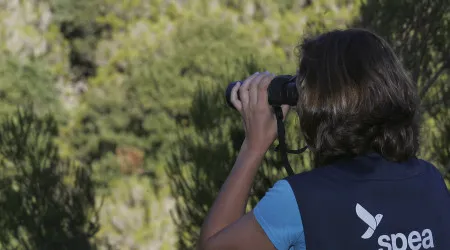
{"points": [[359, 115]]}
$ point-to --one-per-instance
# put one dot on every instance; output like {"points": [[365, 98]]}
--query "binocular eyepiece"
{"points": [[282, 90]]}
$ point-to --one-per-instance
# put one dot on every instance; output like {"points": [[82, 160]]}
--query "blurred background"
{"points": [[114, 132]]}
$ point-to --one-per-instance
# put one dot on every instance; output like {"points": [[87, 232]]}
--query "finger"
{"points": [[244, 91], [253, 89], [267, 80], [262, 89], [234, 97]]}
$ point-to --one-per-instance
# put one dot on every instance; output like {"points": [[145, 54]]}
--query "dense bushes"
{"points": [[136, 88]]}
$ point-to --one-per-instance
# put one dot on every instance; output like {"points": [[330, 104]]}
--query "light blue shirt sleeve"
{"points": [[278, 215]]}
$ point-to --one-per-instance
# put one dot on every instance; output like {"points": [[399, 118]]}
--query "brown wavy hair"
{"points": [[356, 98]]}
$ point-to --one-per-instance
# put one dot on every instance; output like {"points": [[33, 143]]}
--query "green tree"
{"points": [[33, 59], [441, 145], [78, 23], [22, 82], [46, 202], [144, 107]]}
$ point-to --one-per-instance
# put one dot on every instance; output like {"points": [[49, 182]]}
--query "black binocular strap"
{"points": [[282, 141]]}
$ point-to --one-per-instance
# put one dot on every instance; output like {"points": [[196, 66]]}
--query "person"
{"points": [[359, 115]]}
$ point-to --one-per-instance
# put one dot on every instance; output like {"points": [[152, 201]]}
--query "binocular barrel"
{"points": [[282, 90]]}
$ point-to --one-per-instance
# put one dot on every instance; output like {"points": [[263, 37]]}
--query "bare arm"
{"points": [[229, 208], [226, 226]]}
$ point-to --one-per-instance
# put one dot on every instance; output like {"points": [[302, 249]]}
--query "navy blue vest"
{"points": [[369, 203]]}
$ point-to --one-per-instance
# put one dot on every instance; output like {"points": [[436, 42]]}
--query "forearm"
{"points": [[230, 204]]}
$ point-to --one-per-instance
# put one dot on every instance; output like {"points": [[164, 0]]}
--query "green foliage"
{"points": [[77, 21], [440, 144], [143, 108], [138, 88], [134, 217], [22, 82], [45, 202], [149, 69], [419, 33], [28, 34]]}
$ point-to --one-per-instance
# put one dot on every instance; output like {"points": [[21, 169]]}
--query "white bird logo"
{"points": [[369, 219]]}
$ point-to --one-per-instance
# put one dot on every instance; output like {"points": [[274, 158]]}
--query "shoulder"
{"points": [[428, 165], [279, 216], [434, 172], [280, 196]]}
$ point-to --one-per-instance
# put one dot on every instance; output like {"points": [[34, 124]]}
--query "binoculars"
{"points": [[282, 90]]}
